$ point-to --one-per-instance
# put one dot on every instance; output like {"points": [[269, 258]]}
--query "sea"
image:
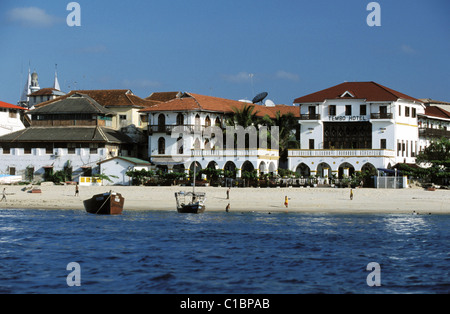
{"points": [[162, 252]]}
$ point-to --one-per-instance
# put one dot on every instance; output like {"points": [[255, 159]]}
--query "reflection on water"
{"points": [[406, 224], [218, 252]]}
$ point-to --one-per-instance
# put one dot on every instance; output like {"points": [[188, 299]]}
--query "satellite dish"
{"points": [[269, 103], [260, 97]]}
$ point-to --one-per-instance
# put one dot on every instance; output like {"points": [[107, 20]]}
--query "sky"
{"points": [[232, 49]]}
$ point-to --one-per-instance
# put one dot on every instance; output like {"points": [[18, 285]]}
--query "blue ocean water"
{"points": [[258, 253]]}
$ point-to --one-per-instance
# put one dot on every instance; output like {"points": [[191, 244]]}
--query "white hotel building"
{"points": [[355, 126], [180, 135]]}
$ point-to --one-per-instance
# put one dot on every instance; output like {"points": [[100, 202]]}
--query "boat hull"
{"points": [[105, 204], [192, 209]]}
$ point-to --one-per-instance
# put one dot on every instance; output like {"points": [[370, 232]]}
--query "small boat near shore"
{"points": [[190, 202], [110, 203]]}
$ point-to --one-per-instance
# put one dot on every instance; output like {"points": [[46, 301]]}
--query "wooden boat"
{"points": [[110, 203], [190, 202]]}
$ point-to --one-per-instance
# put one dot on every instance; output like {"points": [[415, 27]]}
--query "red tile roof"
{"points": [[438, 112], [196, 102], [44, 92], [10, 106], [370, 91], [109, 98]]}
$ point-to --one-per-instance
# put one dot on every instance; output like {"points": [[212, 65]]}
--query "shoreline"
{"points": [[301, 200]]}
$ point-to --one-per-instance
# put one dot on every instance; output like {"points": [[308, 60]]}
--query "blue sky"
{"points": [[292, 47]]}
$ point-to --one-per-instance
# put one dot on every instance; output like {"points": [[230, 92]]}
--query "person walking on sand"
{"points": [[77, 191], [4, 195], [351, 194], [286, 201], [228, 194], [227, 209]]}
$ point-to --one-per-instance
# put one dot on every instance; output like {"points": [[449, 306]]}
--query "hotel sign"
{"points": [[347, 118]]}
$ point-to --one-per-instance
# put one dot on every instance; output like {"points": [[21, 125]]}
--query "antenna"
{"points": [[251, 80]]}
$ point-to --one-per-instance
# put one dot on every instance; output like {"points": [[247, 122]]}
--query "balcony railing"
{"points": [[310, 116], [180, 128], [341, 153], [253, 152], [433, 133], [377, 116]]}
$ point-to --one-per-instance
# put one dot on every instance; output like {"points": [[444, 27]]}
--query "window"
{"points": [[12, 171], [71, 148], [161, 146], [180, 119], [362, 110], [123, 117], [399, 111], [311, 144], [406, 111], [332, 110], [414, 113], [180, 143], [161, 122], [348, 110], [207, 121], [383, 143]]}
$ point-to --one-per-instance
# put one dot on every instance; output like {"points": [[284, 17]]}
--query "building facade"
{"points": [[11, 118], [355, 126], [191, 129], [70, 134]]}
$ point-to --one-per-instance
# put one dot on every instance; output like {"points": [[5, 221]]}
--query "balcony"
{"points": [[382, 116], [252, 152], [434, 133], [341, 153], [310, 116], [179, 128]]}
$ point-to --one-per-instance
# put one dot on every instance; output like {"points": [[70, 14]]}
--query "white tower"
{"points": [[56, 83]]}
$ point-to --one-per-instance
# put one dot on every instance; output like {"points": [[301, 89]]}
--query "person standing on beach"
{"points": [[286, 201], [77, 192], [4, 195], [351, 194], [228, 194], [227, 209]]}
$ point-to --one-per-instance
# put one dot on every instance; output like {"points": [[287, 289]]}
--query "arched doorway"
{"points": [[324, 170], [303, 170], [262, 167], [230, 170], [368, 174], [346, 169]]}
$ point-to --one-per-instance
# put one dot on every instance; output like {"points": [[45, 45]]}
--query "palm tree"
{"points": [[286, 123], [245, 117]]}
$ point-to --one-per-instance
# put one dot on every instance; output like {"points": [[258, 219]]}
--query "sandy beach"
{"points": [[310, 200]]}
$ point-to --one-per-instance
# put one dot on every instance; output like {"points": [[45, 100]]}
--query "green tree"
{"points": [[437, 155], [287, 124]]}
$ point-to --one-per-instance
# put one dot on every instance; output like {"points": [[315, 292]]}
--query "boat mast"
{"points": [[195, 168]]}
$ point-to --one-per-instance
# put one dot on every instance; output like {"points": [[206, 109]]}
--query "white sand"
{"points": [[318, 200]]}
